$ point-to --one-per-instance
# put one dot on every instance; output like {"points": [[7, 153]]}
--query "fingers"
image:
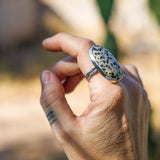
{"points": [[71, 82], [67, 43], [67, 70], [66, 67], [53, 100], [132, 71], [72, 45]]}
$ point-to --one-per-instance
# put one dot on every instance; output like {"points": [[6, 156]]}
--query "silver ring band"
{"points": [[90, 73]]}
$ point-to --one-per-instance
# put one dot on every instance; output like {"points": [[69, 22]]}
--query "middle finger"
{"points": [[66, 67]]}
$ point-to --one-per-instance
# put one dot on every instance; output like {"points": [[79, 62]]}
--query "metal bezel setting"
{"points": [[99, 68]]}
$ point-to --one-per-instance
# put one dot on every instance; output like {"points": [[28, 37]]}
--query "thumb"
{"points": [[53, 101]]}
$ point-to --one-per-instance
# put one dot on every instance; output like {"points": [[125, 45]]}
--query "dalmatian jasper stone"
{"points": [[105, 63]]}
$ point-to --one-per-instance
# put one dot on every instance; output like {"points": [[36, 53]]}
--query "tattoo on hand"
{"points": [[50, 116]]}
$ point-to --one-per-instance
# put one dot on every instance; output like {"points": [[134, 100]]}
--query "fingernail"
{"points": [[46, 77]]}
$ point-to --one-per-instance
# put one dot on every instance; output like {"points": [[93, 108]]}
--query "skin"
{"points": [[115, 124]]}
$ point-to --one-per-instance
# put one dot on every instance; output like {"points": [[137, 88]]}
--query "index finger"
{"points": [[74, 46]]}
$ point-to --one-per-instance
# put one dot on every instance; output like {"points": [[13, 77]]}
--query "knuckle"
{"points": [[144, 93], [46, 100], [137, 90], [119, 93], [61, 34], [58, 36], [145, 96], [87, 44], [49, 97], [131, 68]]}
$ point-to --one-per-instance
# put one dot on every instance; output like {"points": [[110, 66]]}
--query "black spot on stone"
{"points": [[102, 57], [113, 76], [114, 63], [98, 48], [108, 67], [107, 60], [95, 49]]}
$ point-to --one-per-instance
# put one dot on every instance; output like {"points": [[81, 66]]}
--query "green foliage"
{"points": [[110, 44], [106, 11], [105, 8], [155, 8]]}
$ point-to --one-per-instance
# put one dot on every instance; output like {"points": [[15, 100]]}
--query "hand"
{"points": [[115, 124]]}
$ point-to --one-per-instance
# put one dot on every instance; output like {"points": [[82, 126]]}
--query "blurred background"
{"points": [[129, 29]]}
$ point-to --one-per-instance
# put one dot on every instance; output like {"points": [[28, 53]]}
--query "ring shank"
{"points": [[90, 73]]}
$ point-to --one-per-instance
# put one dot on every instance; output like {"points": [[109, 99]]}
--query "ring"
{"points": [[105, 63]]}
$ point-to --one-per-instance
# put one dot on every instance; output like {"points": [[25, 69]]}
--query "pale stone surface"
{"points": [[22, 20], [82, 16], [134, 27]]}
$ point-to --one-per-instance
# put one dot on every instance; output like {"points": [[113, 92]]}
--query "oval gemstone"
{"points": [[105, 63]]}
